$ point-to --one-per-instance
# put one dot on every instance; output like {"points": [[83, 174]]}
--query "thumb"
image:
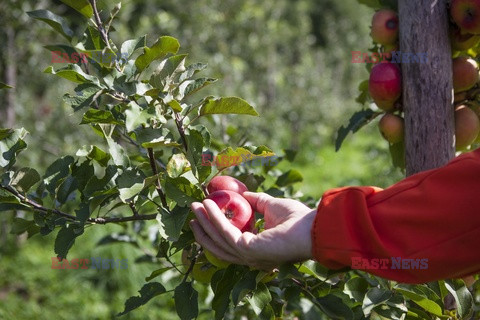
{"points": [[258, 200]]}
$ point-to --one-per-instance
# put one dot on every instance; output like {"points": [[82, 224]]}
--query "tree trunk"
{"points": [[427, 87]]}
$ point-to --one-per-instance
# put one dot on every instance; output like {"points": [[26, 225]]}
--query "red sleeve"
{"points": [[427, 226]]}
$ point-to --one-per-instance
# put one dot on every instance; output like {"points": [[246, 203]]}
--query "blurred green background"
{"points": [[289, 58]]}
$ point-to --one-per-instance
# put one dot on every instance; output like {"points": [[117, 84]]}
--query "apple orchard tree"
{"points": [[142, 98]]}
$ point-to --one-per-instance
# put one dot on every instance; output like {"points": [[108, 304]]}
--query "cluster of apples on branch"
{"points": [[385, 82]]}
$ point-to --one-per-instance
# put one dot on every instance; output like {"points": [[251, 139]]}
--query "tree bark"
{"points": [[427, 87]]}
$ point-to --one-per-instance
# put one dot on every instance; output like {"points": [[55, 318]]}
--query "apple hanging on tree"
{"points": [[466, 14], [385, 27], [385, 85]]}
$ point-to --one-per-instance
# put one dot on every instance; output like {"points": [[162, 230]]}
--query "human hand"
{"points": [[286, 237]]}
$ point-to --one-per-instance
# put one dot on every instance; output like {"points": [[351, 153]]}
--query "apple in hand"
{"points": [[226, 183], [385, 27], [235, 207], [465, 73], [466, 14], [467, 127], [385, 85], [392, 128]]}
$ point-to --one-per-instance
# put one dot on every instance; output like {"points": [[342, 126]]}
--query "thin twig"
{"points": [[132, 207], [153, 165], [101, 29], [70, 217], [181, 130]]}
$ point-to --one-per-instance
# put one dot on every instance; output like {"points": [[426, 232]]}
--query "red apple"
{"points": [[226, 183], [465, 73], [385, 27], [385, 85], [392, 128], [467, 127], [466, 14], [236, 208]]}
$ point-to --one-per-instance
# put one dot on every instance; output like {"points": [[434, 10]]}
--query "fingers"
{"points": [[206, 242], [209, 229], [221, 223], [259, 201]]}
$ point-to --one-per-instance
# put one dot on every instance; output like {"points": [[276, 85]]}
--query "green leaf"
{"points": [[334, 307], [356, 288], [130, 183], [182, 191], [189, 87], [65, 240], [69, 185], [156, 138], [191, 70], [117, 238], [5, 86], [135, 116], [24, 179], [129, 46], [177, 165], [308, 267], [5, 133], [99, 116], [148, 292], [186, 301], [196, 143], [175, 105], [119, 155], [85, 93], [171, 223], [11, 144], [462, 296], [223, 282], [159, 50], [167, 69], [58, 170], [245, 285], [157, 272], [54, 21], [364, 95], [73, 73], [374, 297], [357, 121], [397, 152], [20, 226], [260, 299], [290, 177], [82, 6], [423, 296], [228, 105], [94, 153]]}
